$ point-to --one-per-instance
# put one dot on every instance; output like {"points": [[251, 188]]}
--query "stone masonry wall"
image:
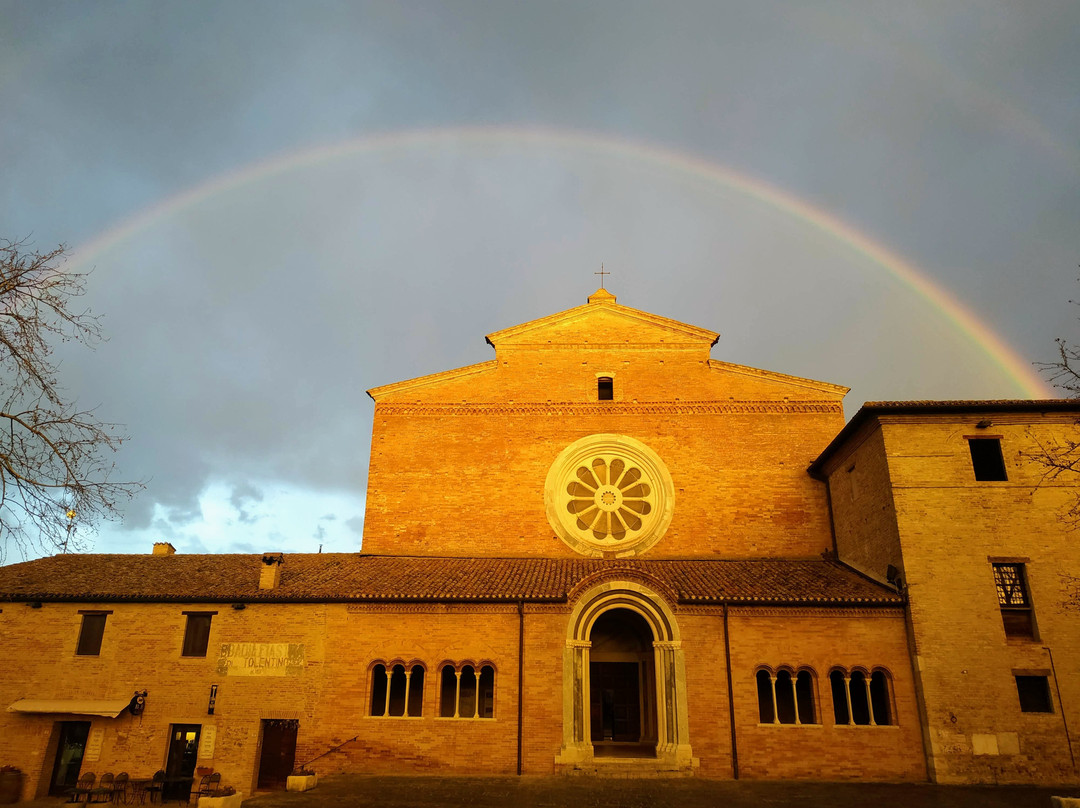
{"points": [[952, 529]]}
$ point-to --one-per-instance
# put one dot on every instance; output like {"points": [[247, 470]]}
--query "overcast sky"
{"points": [[285, 204]]}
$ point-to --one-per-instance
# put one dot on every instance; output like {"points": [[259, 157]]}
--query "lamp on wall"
{"points": [[137, 703], [983, 424], [892, 575]]}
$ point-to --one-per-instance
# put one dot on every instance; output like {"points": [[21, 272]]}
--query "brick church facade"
{"points": [[602, 552]]}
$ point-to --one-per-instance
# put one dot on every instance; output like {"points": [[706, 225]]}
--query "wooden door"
{"points": [[69, 754], [278, 752], [180, 765], [615, 701]]}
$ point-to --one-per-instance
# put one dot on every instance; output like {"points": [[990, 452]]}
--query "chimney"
{"points": [[270, 574], [164, 548]]}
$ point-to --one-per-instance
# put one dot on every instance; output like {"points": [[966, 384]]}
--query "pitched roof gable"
{"points": [[649, 327], [779, 378]]}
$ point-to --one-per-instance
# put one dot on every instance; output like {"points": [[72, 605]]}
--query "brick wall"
{"points": [[951, 527], [919, 497], [820, 640], [330, 695]]}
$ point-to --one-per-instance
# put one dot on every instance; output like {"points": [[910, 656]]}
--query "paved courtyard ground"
{"points": [[359, 791], [354, 791]]}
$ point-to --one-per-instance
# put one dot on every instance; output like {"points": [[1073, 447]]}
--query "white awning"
{"points": [[109, 708]]}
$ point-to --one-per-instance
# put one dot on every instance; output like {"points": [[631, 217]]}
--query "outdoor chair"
{"points": [[156, 785], [210, 784], [83, 787], [103, 792], [120, 788]]}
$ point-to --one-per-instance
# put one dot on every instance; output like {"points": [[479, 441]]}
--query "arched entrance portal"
{"points": [[622, 685], [623, 643]]}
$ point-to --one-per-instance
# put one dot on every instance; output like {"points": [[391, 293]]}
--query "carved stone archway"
{"points": [[673, 744]]}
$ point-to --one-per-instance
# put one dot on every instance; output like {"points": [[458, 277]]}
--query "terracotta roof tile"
{"points": [[356, 577]]}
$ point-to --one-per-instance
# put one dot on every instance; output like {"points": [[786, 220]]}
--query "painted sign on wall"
{"points": [[261, 659], [93, 744], [207, 741]]}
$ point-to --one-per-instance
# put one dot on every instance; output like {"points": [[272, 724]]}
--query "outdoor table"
{"points": [[139, 787]]}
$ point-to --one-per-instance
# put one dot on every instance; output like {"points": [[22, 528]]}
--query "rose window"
{"points": [[609, 495], [608, 498]]}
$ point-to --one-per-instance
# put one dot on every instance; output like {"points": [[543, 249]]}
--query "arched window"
{"points": [[804, 697], [839, 697], [860, 699], [783, 699], [378, 690], [879, 698], [448, 692], [765, 699], [398, 691], [605, 388], [467, 693], [487, 692], [463, 694]]}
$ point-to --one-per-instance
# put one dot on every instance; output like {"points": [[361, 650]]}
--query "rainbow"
{"points": [[907, 274]]}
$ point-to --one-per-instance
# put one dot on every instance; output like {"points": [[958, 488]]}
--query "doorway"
{"points": [[71, 743], [278, 752], [622, 688], [180, 765]]}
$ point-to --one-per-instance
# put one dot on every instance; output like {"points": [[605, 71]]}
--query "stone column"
{"points": [[775, 704], [408, 676], [577, 737], [673, 742], [795, 696], [869, 701], [457, 696], [476, 693]]}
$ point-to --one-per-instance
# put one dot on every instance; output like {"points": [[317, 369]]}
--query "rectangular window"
{"points": [[1034, 692], [93, 628], [197, 634], [1016, 612], [986, 459], [605, 388]]}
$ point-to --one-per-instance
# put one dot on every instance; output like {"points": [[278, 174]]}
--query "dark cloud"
{"points": [[244, 328]]}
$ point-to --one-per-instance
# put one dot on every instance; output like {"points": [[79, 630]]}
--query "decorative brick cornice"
{"points": [[613, 408], [432, 608], [840, 610]]}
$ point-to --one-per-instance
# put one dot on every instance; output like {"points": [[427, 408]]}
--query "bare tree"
{"points": [[1059, 456], [55, 469]]}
